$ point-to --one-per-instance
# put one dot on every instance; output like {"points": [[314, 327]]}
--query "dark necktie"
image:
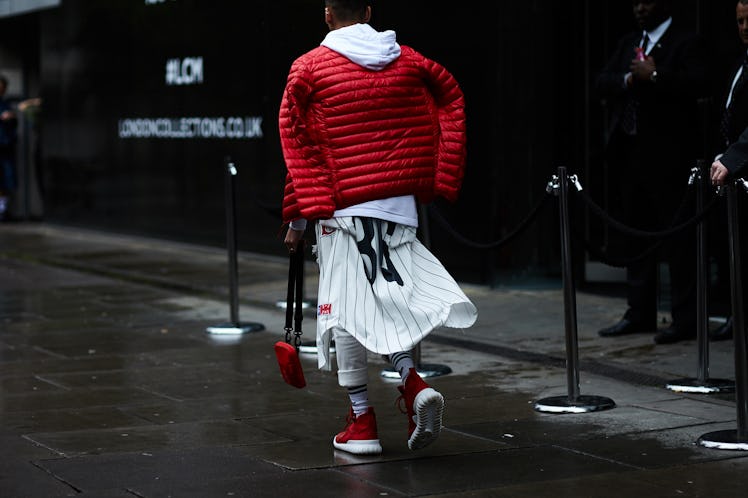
{"points": [[628, 116], [645, 43], [726, 124]]}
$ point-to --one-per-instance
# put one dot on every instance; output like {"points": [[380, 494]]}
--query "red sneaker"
{"points": [[360, 434], [424, 407]]}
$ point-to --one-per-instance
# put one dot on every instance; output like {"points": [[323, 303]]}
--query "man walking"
{"points": [[368, 127]]}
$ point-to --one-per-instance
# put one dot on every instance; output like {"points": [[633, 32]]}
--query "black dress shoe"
{"points": [[624, 327], [674, 334], [723, 332]]}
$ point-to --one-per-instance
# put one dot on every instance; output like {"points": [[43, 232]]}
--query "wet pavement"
{"points": [[110, 387]]}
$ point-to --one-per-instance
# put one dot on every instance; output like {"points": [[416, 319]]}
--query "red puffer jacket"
{"points": [[351, 135]]}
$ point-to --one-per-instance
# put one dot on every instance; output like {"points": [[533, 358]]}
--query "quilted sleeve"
{"points": [[308, 190], [450, 104]]}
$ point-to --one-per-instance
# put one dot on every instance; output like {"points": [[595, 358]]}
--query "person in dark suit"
{"points": [[8, 137], [651, 85], [734, 134]]}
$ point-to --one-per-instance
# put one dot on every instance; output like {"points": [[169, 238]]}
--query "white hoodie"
{"points": [[373, 50], [364, 45]]}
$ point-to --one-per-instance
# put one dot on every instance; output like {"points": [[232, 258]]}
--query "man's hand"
{"points": [[718, 173], [642, 70], [292, 239]]}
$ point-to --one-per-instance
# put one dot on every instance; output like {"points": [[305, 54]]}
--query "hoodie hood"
{"points": [[364, 45]]}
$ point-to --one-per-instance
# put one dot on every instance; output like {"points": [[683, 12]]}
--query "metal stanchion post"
{"points": [[573, 402], [737, 439], [702, 383], [233, 327], [424, 370]]}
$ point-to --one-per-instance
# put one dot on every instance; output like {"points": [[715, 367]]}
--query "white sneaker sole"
{"points": [[360, 447], [429, 408]]}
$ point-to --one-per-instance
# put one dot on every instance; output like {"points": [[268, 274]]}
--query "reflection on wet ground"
{"points": [[109, 387]]}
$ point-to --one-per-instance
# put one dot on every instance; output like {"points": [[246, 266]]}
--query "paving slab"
{"points": [[472, 471], [204, 473]]}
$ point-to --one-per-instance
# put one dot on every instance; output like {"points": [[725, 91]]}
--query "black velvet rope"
{"points": [[437, 216], [595, 251], [635, 232], [606, 258]]}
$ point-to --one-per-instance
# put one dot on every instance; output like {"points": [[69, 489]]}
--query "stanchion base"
{"points": [[310, 347], [235, 328], [696, 386], [425, 371], [583, 404], [723, 440], [304, 305]]}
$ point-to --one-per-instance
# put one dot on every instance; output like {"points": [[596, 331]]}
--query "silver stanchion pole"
{"points": [[702, 384], [737, 439], [424, 370], [573, 402], [234, 327]]}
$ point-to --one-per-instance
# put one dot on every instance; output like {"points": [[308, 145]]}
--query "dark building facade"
{"points": [[144, 99]]}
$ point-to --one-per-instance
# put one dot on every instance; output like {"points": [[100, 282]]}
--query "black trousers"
{"points": [[653, 184]]}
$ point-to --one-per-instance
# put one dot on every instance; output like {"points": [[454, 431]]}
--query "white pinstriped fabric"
{"points": [[388, 296]]}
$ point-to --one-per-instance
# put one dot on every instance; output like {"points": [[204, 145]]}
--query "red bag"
{"points": [[290, 366], [286, 352]]}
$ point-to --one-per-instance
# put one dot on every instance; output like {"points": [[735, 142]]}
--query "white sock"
{"points": [[402, 362], [359, 399]]}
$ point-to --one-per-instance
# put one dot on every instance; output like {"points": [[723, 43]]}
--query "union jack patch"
{"points": [[324, 309]]}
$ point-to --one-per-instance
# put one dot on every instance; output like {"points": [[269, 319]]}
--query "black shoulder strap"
{"points": [[294, 314]]}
